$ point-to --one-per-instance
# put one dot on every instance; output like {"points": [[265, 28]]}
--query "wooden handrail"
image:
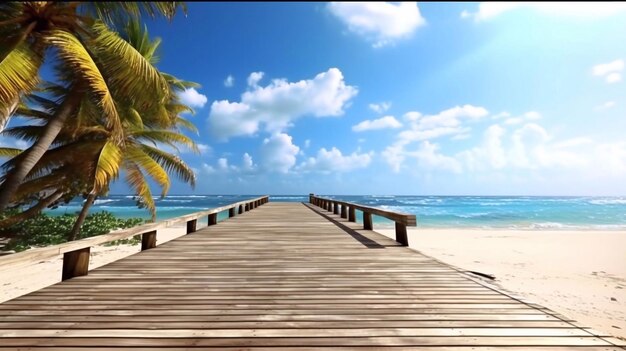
{"points": [[76, 253], [348, 210]]}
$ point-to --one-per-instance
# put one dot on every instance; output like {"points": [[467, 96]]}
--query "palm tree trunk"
{"points": [[81, 217], [33, 211], [30, 157]]}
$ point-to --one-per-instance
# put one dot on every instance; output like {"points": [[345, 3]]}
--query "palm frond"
{"points": [[167, 137], [130, 75], [107, 166], [137, 181], [171, 164], [72, 52], [185, 123], [150, 167], [9, 152], [18, 75]]}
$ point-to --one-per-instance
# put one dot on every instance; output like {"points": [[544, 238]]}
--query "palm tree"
{"points": [[87, 147], [29, 29]]}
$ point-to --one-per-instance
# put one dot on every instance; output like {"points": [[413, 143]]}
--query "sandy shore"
{"points": [[579, 274], [17, 280]]}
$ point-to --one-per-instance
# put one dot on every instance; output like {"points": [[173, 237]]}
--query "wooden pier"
{"points": [[279, 276]]}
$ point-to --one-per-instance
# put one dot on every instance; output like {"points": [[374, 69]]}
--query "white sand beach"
{"points": [[17, 280], [579, 274]]}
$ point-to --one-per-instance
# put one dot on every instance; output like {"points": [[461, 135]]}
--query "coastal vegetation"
{"points": [[108, 112]]}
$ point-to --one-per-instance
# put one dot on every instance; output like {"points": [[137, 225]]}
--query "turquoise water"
{"points": [[523, 212]]}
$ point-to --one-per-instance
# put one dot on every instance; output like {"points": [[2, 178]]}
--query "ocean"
{"points": [[511, 212]]}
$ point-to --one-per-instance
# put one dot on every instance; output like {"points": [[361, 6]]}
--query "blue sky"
{"points": [[383, 98]]}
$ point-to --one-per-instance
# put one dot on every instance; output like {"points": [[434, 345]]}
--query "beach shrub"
{"points": [[44, 230]]}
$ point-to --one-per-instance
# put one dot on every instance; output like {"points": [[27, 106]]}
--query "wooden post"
{"points": [[367, 221], [240, 209], [212, 219], [191, 226], [231, 212], [311, 200], [401, 235], [75, 263], [247, 207], [352, 214], [148, 240], [336, 208], [344, 211]]}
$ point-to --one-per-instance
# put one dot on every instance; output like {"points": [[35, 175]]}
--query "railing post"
{"points": [[75, 263], [240, 209], [231, 212], [344, 211], [247, 208], [367, 221], [336, 208], [148, 240], [401, 235], [212, 219], [352, 214], [191, 226]]}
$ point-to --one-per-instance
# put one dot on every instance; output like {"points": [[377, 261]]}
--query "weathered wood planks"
{"points": [[282, 277]]}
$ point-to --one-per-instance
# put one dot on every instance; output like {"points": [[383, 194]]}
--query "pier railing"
{"points": [[348, 210], [76, 253]]}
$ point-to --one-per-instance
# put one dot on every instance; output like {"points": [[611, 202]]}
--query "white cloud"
{"points": [[603, 69], [426, 156], [229, 81], [532, 115], [307, 143], [193, 98], [582, 10], [222, 163], [333, 160], [381, 123], [611, 71], [275, 106], [613, 77], [605, 106], [246, 163], [208, 168], [278, 153], [412, 116], [447, 122], [254, 78], [380, 107], [381, 23], [204, 148]]}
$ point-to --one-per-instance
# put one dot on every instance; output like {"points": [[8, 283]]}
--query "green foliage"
{"points": [[44, 230]]}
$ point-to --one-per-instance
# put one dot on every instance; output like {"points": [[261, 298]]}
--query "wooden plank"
{"points": [[75, 263], [286, 278], [404, 218], [148, 240]]}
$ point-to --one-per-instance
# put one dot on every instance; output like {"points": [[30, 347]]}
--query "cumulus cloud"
{"points": [[426, 156], [328, 161], [229, 81], [611, 71], [380, 107], [605, 106], [278, 153], [275, 106], [204, 148], [582, 10], [447, 122], [381, 23], [386, 122], [193, 98]]}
